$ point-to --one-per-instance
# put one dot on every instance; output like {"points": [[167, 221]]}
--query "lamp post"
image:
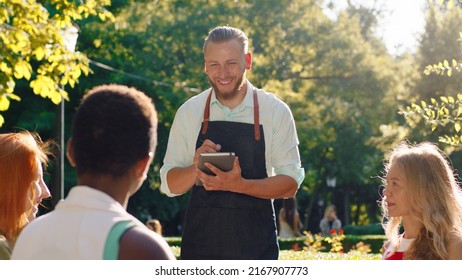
{"points": [[331, 182], [70, 35], [320, 207]]}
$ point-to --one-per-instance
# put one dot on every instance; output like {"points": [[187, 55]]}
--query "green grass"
{"points": [[317, 247], [375, 242], [305, 255]]}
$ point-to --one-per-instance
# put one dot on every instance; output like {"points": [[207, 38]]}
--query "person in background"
{"points": [[423, 200], [154, 225], [330, 223], [232, 215], [22, 188], [290, 224], [114, 136]]}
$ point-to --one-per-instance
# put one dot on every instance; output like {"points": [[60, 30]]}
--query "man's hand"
{"points": [[223, 181], [206, 147]]}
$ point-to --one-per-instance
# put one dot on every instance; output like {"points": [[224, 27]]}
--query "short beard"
{"points": [[230, 95]]}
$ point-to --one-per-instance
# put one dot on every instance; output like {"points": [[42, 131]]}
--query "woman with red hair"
{"points": [[22, 187]]}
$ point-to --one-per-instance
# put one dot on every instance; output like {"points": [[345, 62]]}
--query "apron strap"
{"points": [[256, 115], [207, 113]]}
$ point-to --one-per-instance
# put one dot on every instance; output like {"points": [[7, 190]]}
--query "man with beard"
{"points": [[232, 215]]}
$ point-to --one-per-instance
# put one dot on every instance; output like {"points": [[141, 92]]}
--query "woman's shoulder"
{"points": [[281, 213], [5, 248], [3, 241], [455, 246], [385, 245]]}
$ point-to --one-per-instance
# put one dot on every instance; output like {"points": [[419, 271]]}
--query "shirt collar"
{"points": [[247, 102]]}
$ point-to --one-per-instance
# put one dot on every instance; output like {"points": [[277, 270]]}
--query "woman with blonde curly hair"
{"points": [[21, 184], [423, 200]]}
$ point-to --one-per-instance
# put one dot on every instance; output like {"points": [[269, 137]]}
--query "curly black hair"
{"points": [[114, 127]]}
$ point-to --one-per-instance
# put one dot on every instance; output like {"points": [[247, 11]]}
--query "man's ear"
{"points": [[70, 152], [248, 61], [142, 167]]}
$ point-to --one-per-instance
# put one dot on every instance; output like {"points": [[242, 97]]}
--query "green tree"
{"points": [[34, 48], [439, 98], [334, 73]]}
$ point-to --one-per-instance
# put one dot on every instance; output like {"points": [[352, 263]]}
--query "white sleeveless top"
{"points": [[403, 244], [285, 230], [76, 229]]}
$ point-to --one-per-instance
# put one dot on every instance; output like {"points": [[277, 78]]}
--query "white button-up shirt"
{"points": [[281, 140]]}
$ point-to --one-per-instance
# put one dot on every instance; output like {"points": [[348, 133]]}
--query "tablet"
{"points": [[222, 160]]}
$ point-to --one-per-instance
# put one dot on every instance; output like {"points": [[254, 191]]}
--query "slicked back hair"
{"points": [[222, 34]]}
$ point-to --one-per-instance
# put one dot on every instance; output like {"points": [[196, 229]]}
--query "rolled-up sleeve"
{"points": [[285, 156], [180, 147]]}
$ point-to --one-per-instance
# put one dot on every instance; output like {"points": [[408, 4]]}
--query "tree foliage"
{"points": [[441, 98], [336, 76], [35, 47]]}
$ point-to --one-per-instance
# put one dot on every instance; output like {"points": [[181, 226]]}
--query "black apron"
{"points": [[227, 225]]}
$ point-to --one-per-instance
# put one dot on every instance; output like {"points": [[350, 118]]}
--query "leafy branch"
{"points": [[34, 46], [448, 110]]}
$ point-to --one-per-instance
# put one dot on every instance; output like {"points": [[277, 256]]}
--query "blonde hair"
{"points": [[19, 153], [154, 225], [435, 199], [329, 210], [221, 34]]}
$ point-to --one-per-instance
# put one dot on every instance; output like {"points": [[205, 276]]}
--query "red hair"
{"points": [[19, 153]]}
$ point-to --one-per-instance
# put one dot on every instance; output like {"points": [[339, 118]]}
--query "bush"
{"points": [[372, 229], [349, 242], [173, 241]]}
